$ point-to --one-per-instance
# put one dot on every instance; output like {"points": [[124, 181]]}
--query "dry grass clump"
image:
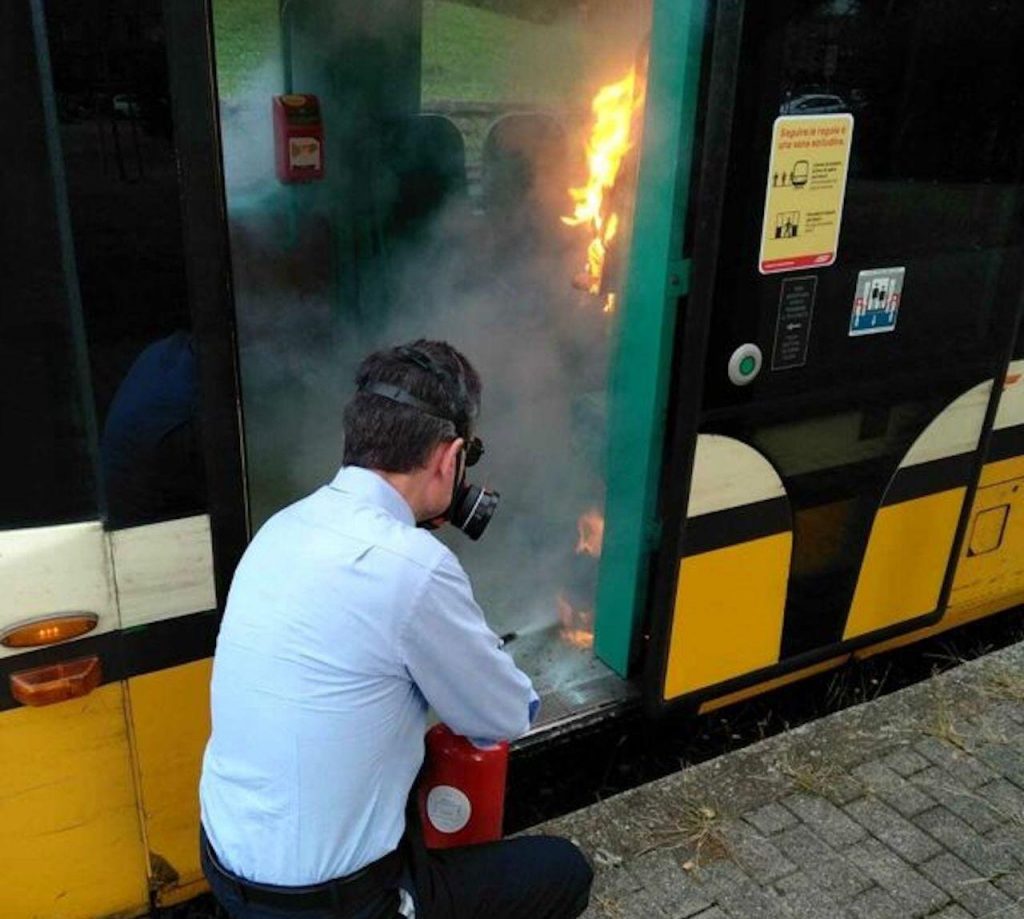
{"points": [[693, 826], [815, 776]]}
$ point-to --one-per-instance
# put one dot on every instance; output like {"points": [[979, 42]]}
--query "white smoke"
{"points": [[497, 290]]}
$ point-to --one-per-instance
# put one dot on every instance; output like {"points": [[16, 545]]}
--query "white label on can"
{"points": [[448, 809]]}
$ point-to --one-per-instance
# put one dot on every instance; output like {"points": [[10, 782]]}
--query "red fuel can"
{"points": [[298, 138], [462, 790]]}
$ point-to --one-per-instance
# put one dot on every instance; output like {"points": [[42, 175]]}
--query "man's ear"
{"points": [[449, 458]]}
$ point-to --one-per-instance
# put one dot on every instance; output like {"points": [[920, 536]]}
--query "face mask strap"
{"points": [[441, 373], [457, 484], [473, 447], [403, 397]]}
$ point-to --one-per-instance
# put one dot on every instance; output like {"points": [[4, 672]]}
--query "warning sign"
{"points": [[803, 208]]}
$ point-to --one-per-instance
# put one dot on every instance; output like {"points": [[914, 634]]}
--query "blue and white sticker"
{"points": [[876, 302]]}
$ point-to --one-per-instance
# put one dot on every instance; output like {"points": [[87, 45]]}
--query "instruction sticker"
{"points": [[793, 323], [803, 208], [876, 301]]}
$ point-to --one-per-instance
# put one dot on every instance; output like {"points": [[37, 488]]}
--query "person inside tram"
{"points": [[149, 452]]}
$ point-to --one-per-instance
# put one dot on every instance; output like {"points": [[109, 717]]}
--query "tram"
{"points": [[743, 280]]}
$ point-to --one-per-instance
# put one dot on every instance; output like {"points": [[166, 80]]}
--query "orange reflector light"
{"points": [[48, 631], [56, 682]]}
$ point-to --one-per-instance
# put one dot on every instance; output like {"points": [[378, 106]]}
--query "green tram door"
{"points": [[856, 243]]}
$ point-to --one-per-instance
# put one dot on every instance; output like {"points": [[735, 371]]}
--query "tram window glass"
{"points": [[47, 468], [111, 83], [452, 133], [936, 91]]}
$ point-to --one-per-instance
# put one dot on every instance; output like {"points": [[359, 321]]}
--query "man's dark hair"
{"points": [[387, 435]]}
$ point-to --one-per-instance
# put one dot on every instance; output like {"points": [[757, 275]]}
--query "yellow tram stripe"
{"points": [[728, 613], [905, 562], [1002, 471], [775, 683]]}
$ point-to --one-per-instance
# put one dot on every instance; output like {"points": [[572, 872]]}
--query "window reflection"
{"points": [[44, 413], [113, 99], [149, 448]]}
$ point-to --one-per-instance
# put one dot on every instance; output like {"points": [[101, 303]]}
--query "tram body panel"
{"points": [[170, 722], [989, 574], [68, 787], [877, 438], [731, 594], [991, 564], [733, 599], [66, 776], [165, 578], [758, 689], [912, 536], [163, 570], [909, 548], [106, 782], [901, 577]]}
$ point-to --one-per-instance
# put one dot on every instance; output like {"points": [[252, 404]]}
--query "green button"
{"points": [[748, 365]]}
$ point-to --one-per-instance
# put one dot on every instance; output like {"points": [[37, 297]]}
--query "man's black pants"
{"points": [[530, 877]]}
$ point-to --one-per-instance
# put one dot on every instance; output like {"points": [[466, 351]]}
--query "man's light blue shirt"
{"points": [[343, 624]]}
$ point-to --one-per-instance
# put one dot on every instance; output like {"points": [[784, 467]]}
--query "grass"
{"points": [[816, 777], [949, 720], [247, 38], [694, 826], [468, 53], [944, 727], [482, 56], [1006, 684]]}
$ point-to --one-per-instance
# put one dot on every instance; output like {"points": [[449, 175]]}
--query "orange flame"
{"points": [[590, 528], [577, 625], [610, 140]]}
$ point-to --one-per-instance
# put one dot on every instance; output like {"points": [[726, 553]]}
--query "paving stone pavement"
{"points": [[910, 805]]}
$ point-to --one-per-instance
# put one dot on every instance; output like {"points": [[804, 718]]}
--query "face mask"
{"points": [[472, 506]]}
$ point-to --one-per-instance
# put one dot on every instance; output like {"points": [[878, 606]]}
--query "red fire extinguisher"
{"points": [[462, 790]]}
